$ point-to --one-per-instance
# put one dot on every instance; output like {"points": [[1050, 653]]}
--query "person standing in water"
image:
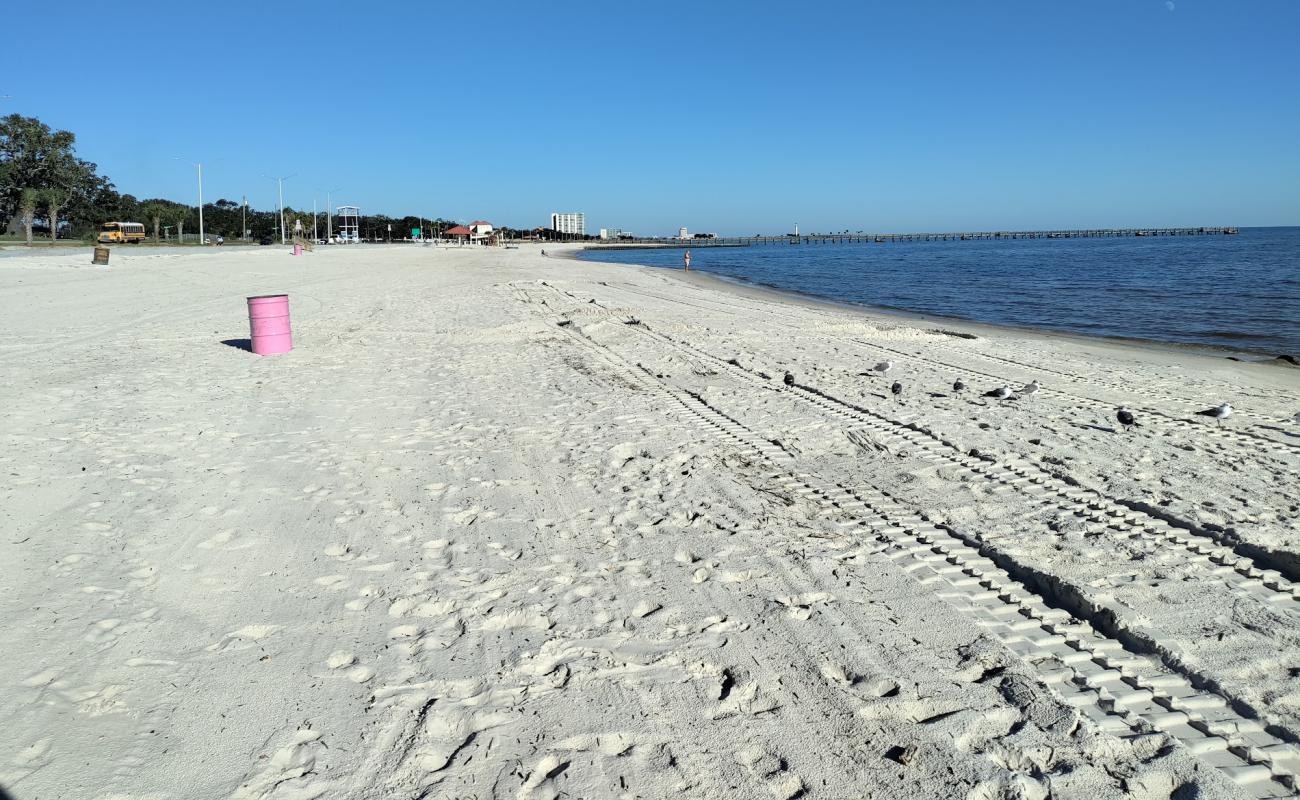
{"points": [[686, 261]]}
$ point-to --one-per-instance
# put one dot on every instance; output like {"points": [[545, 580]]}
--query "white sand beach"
{"points": [[512, 526]]}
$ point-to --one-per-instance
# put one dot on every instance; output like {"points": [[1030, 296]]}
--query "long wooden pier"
{"points": [[886, 238]]}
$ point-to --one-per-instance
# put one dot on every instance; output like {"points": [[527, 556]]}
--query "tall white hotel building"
{"points": [[569, 223]]}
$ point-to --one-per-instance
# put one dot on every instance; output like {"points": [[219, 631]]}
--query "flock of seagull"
{"points": [[1123, 415]]}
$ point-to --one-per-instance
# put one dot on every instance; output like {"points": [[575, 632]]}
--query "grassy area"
{"points": [[45, 242]]}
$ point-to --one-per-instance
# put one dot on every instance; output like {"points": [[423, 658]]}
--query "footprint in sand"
{"points": [[360, 674], [340, 659], [295, 760], [340, 551], [773, 771], [343, 660], [800, 606], [43, 679], [217, 540], [97, 702], [103, 631], [35, 754], [68, 564], [244, 638]]}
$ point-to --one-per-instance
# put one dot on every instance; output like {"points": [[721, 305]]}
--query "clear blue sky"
{"points": [[735, 117]]}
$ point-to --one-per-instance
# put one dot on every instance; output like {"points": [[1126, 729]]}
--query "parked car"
{"points": [[266, 240]]}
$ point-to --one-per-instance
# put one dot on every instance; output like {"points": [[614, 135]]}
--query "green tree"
{"points": [[27, 210], [68, 180], [155, 211], [29, 152]]}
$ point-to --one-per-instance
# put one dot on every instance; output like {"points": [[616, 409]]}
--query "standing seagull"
{"points": [[958, 387], [896, 390], [788, 380], [1030, 389], [884, 367], [1126, 418], [1000, 393], [1219, 413]]}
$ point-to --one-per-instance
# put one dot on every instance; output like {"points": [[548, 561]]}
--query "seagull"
{"points": [[896, 390], [1000, 393], [1126, 418], [958, 386], [1030, 389], [788, 380], [884, 367], [1219, 412]]}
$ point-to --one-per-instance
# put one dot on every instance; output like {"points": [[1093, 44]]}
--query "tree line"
{"points": [[45, 188]]}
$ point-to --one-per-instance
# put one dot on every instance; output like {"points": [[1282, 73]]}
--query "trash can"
{"points": [[101, 256], [268, 322]]}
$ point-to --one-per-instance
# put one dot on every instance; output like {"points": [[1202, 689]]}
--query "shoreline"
{"points": [[749, 288]]}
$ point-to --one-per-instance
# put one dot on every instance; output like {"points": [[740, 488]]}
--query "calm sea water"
{"points": [[1240, 292]]}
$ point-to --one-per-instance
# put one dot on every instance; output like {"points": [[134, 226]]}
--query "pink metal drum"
{"points": [[268, 318]]}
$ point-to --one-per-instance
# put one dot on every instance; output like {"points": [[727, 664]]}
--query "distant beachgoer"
{"points": [[543, 252], [686, 260]]}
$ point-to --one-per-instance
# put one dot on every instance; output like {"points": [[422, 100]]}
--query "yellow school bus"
{"points": [[115, 232]]}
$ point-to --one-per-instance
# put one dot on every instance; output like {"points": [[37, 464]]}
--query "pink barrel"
{"points": [[268, 318]]}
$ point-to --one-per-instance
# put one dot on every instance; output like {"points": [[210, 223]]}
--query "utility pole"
{"points": [[314, 236], [243, 219]]}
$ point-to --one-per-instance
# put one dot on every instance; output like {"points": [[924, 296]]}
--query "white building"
{"points": [[682, 233], [569, 223]]}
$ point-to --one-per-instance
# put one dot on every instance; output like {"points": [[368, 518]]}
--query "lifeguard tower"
{"points": [[349, 218]]}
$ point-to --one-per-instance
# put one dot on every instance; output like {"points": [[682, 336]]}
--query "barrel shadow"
{"points": [[238, 344]]}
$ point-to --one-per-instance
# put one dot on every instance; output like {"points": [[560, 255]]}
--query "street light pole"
{"points": [[280, 182], [200, 169], [315, 237], [243, 219], [329, 216], [201, 240]]}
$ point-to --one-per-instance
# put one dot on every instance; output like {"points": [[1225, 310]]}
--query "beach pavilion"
{"points": [[459, 233]]}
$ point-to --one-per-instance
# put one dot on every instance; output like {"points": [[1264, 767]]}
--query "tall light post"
{"points": [[329, 216], [329, 219], [243, 219], [315, 237], [200, 169], [280, 182]]}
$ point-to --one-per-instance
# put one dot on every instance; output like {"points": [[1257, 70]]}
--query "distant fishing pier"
{"points": [[886, 238]]}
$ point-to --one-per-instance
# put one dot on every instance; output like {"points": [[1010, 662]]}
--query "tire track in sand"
{"points": [[1118, 690]]}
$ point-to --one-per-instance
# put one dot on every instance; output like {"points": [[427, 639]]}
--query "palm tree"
{"points": [[27, 210], [155, 212]]}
